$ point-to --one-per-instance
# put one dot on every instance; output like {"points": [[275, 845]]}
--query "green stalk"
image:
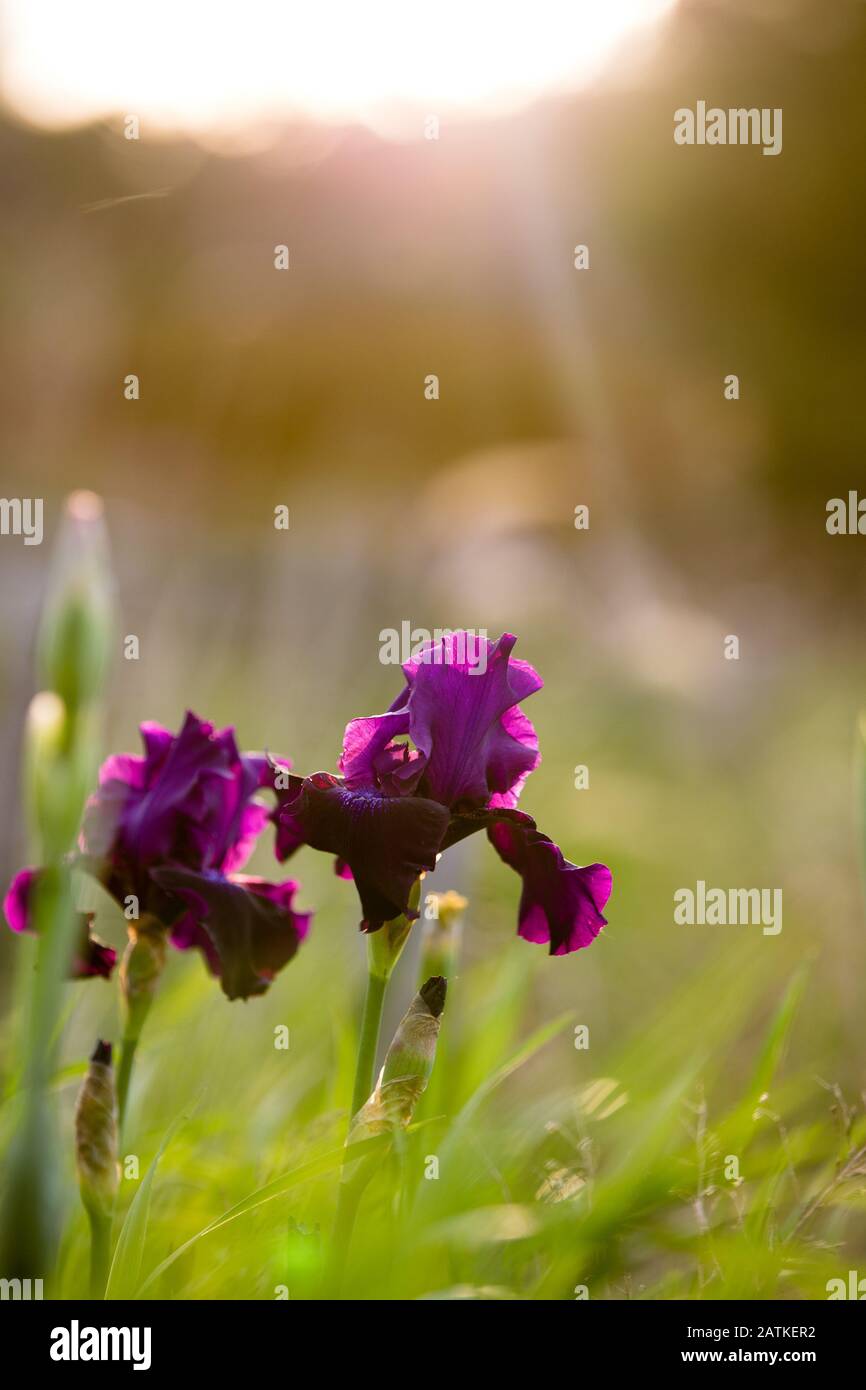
{"points": [[368, 1042], [388, 1110], [384, 948], [349, 1195], [60, 746], [100, 1251], [140, 971], [29, 1220], [124, 1074]]}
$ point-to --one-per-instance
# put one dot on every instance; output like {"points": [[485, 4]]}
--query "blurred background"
{"points": [[454, 256]]}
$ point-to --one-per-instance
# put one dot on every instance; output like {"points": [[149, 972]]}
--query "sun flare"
{"points": [[199, 65]]}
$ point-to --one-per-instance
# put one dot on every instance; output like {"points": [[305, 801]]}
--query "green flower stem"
{"points": [[31, 1211], [349, 1194], [124, 1074], [406, 1071], [383, 951], [368, 1043], [140, 971], [100, 1251], [60, 745]]}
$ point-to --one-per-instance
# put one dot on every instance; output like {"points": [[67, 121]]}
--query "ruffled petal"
{"points": [[463, 693], [561, 903], [369, 752], [251, 925], [188, 800]]}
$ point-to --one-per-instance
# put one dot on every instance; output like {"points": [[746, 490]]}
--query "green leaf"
{"points": [[325, 1163], [777, 1035], [534, 1044], [125, 1272]]}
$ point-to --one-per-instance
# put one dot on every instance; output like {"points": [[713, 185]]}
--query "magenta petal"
{"points": [[249, 822], [561, 903], [367, 747], [462, 718], [16, 904], [189, 800]]}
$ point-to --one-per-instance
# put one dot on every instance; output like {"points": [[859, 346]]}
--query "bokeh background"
{"points": [[454, 256]]}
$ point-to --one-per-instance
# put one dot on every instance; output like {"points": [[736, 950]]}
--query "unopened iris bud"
{"points": [[403, 1078], [408, 1065], [54, 792], [75, 635], [96, 1135], [440, 941], [140, 970]]}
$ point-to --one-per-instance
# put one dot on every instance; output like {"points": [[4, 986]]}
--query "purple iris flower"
{"points": [[171, 828], [448, 758]]}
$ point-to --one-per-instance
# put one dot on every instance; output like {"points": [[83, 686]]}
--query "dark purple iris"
{"points": [[169, 830], [448, 758]]}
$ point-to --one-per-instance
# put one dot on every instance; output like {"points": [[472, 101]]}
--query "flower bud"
{"points": [[75, 634], [53, 788], [440, 940], [96, 1134], [408, 1065], [140, 970]]}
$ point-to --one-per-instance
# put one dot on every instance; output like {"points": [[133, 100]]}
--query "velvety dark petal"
{"points": [[463, 692], [465, 823], [561, 903], [386, 842], [290, 833], [251, 924], [187, 934], [91, 956]]}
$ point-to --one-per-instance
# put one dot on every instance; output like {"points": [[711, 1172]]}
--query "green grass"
{"points": [[558, 1168]]}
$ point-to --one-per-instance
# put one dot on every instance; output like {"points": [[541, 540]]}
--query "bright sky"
{"points": [[228, 63]]}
